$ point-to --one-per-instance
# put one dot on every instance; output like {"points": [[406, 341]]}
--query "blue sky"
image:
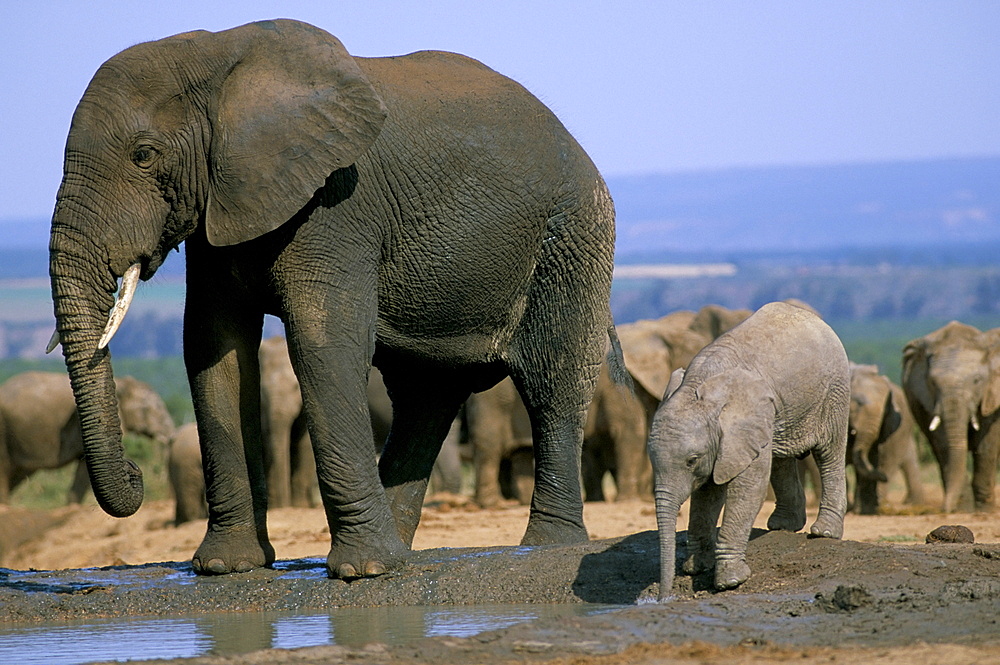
{"points": [[645, 86]]}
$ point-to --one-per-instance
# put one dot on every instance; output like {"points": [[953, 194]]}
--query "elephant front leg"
{"points": [[220, 351], [706, 504], [744, 498]]}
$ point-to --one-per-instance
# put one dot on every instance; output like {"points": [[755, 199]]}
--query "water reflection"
{"points": [[74, 643]]}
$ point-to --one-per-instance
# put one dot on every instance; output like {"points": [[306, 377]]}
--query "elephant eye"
{"points": [[692, 461], [143, 156]]}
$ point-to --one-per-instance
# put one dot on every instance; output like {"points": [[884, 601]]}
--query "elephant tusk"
{"points": [[935, 423], [975, 422], [53, 342], [125, 293]]}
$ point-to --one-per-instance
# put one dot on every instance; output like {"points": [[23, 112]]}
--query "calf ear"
{"points": [[676, 378], [746, 427]]}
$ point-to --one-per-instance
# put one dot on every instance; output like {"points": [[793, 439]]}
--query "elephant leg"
{"points": [[631, 459], [425, 403], [447, 473], [557, 410], [522, 474], [744, 498], [984, 471], [910, 466], [277, 461], [81, 484], [706, 505], [789, 496], [833, 479], [221, 341], [302, 465]]}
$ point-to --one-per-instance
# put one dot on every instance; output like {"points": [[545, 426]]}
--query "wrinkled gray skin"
{"points": [[772, 389], [880, 440], [288, 455], [186, 477], [41, 429], [352, 198], [951, 378]]}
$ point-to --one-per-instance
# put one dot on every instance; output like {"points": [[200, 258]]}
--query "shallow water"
{"points": [[74, 643]]}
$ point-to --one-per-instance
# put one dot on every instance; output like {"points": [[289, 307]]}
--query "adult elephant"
{"points": [[41, 430], [880, 440], [951, 378], [353, 198]]}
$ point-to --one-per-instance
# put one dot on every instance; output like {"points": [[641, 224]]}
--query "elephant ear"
{"points": [[892, 414], [676, 378], [746, 425], [293, 108], [991, 395]]}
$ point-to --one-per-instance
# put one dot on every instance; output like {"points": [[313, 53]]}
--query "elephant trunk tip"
{"points": [[127, 501]]}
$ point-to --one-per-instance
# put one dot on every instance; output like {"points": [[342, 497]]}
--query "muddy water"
{"points": [[73, 643]]}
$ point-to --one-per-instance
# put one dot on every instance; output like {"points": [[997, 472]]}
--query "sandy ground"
{"points": [[895, 570]]}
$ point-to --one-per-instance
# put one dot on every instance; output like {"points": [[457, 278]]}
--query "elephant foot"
{"points": [[730, 573], [698, 563], [550, 530], [232, 551], [827, 526], [786, 520], [354, 555]]}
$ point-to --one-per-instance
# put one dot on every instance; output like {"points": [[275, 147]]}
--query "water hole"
{"points": [[145, 638]]}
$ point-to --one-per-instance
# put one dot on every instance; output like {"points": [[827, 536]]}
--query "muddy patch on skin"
{"points": [[804, 592]]}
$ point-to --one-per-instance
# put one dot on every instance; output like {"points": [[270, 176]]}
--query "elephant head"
{"points": [[874, 416], [709, 431], [225, 134], [951, 378]]}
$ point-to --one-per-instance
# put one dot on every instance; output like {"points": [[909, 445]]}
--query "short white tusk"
{"points": [[935, 422], [129, 281], [53, 342], [975, 422]]}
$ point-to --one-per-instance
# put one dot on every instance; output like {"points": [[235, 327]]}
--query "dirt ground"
{"points": [[879, 595]]}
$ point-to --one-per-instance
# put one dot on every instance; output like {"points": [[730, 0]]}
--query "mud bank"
{"points": [[804, 593]]}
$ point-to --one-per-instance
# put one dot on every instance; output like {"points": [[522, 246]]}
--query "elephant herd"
{"points": [[955, 367], [422, 221]]}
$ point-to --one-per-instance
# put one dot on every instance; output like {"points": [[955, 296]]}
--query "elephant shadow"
{"points": [[629, 570]]}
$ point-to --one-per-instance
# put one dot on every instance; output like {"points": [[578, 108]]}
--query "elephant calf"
{"points": [[772, 389]]}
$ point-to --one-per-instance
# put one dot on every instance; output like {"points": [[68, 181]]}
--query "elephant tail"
{"points": [[616, 361]]}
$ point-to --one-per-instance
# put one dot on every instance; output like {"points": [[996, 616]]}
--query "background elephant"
{"points": [[768, 391], [499, 433], [185, 475], [881, 440], [351, 198], [951, 378], [41, 429]]}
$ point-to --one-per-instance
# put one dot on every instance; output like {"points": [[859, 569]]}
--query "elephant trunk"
{"points": [[83, 294], [667, 506], [957, 419]]}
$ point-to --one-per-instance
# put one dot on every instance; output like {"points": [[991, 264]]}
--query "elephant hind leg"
{"points": [[789, 497], [425, 403]]}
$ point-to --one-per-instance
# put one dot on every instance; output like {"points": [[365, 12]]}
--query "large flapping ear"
{"points": [[294, 107], [746, 425], [914, 360]]}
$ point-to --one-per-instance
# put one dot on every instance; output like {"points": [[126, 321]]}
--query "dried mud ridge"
{"points": [[804, 592]]}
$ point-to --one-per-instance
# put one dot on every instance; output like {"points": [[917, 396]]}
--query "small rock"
{"points": [[952, 533]]}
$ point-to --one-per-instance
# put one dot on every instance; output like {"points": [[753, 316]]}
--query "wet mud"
{"points": [[804, 592]]}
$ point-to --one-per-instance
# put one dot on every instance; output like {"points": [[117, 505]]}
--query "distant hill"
{"points": [[795, 209]]}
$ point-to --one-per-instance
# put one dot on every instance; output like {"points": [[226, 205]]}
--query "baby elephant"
{"points": [[772, 389]]}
